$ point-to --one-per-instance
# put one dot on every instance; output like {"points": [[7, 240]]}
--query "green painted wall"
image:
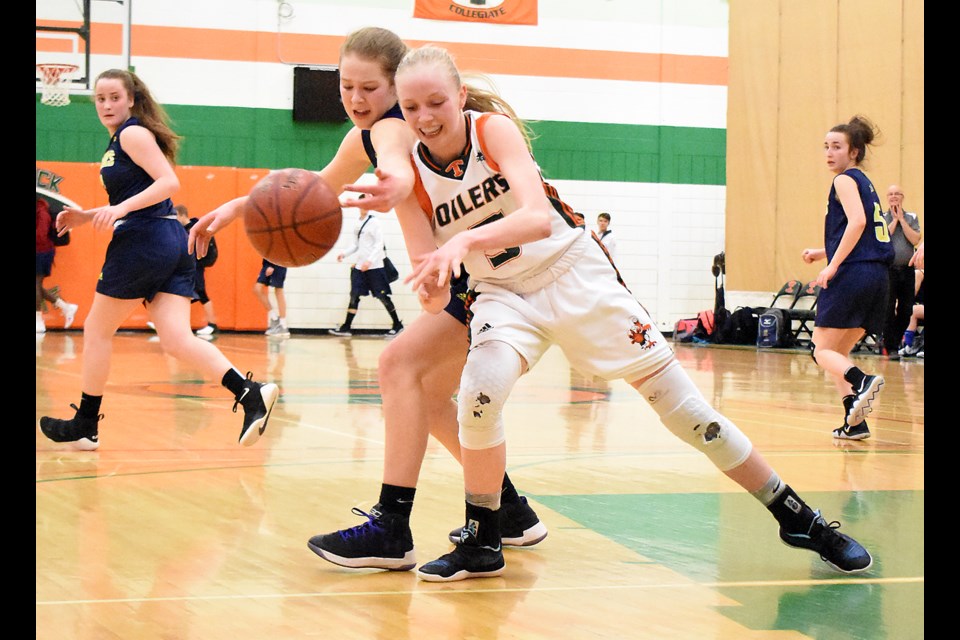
{"points": [[268, 138]]}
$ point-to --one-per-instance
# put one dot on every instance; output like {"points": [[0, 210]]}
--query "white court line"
{"points": [[447, 591]]}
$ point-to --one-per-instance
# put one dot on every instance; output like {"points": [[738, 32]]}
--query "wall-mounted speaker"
{"points": [[316, 95]]}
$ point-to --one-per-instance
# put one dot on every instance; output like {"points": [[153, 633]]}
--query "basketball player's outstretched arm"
{"points": [[392, 139], [347, 165]]}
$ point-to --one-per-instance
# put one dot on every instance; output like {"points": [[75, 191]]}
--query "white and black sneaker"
{"points": [[257, 400], [79, 432], [470, 559], [863, 399], [847, 432], [384, 541], [207, 331], [519, 525], [344, 331]]}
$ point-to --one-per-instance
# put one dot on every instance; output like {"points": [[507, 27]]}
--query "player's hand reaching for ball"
{"points": [[198, 241], [437, 266], [383, 195]]}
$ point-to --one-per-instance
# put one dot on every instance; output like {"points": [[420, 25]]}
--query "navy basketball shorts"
{"points": [[457, 307], [45, 263], [855, 297], [147, 256], [275, 279], [370, 282]]}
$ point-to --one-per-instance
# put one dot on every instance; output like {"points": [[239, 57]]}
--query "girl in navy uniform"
{"points": [[146, 262], [420, 368], [856, 279], [538, 278]]}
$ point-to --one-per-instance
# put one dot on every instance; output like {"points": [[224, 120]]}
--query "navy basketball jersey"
{"points": [[123, 178], [874, 244], [394, 112]]}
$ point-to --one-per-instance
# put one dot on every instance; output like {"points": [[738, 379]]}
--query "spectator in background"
{"points": [[46, 251], [904, 228], [367, 275], [201, 283], [606, 235], [917, 259], [913, 343], [272, 276]]}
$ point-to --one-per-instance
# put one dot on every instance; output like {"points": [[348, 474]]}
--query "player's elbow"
{"points": [[540, 224], [171, 185]]}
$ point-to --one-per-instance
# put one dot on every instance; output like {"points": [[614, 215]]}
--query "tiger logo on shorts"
{"points": [[638, 335]]}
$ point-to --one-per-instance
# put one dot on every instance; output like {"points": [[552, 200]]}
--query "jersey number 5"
{"points": [[880, 227], [504, 256]]}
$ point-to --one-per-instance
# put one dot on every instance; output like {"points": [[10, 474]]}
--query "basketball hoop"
{"points": [[54, 90]]}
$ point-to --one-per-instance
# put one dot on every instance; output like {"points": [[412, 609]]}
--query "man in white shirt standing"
{"points": [[606, 235], [367, 275]]}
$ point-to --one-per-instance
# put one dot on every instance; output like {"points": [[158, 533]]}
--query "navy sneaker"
{"points": [[838, 550], [863, 399], [80, 433], [519, 525], [469, 559], [257, 400], [384, 541]]}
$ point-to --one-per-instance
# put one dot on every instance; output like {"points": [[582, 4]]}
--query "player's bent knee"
{"points": [[685, 412], [491, 370]]}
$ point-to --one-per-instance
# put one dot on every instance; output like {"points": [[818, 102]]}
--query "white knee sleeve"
{"points": [[491, 370], [685, 412]]}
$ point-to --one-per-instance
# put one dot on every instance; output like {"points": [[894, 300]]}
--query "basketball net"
{"points": [[54, 89]]}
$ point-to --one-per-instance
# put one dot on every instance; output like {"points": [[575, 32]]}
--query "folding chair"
{"points": [[803, 313], [787, 296]]}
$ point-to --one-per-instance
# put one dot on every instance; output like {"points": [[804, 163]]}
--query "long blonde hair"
{"points": [[478, 98]]}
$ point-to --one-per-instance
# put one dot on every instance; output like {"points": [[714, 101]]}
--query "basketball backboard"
{"points": [[94, 35]]}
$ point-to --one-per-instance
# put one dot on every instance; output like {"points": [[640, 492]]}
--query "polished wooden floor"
{"points": [[172, 531]]}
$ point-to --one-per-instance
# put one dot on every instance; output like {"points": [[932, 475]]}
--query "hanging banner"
{"points": [[489, 11]]}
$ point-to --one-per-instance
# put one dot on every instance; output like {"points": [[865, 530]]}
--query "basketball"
{"points": [[292, 217]]}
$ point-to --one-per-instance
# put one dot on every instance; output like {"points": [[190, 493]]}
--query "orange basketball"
{"points": [[292, 217]]}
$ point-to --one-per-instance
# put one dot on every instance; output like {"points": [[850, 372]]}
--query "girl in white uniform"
{"points": [[539, 279]]}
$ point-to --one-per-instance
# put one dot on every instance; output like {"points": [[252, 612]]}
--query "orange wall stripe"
{"points": [[107, 38], [261, 46]]}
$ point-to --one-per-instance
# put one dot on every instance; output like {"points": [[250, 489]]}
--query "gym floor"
{"points": [[172, 530]]}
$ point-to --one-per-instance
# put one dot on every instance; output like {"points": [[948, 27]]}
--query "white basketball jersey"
{"points": [[470, 191]]}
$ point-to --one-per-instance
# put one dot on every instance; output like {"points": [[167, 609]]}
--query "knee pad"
{"points": [[491, 370], [685, 412]]}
